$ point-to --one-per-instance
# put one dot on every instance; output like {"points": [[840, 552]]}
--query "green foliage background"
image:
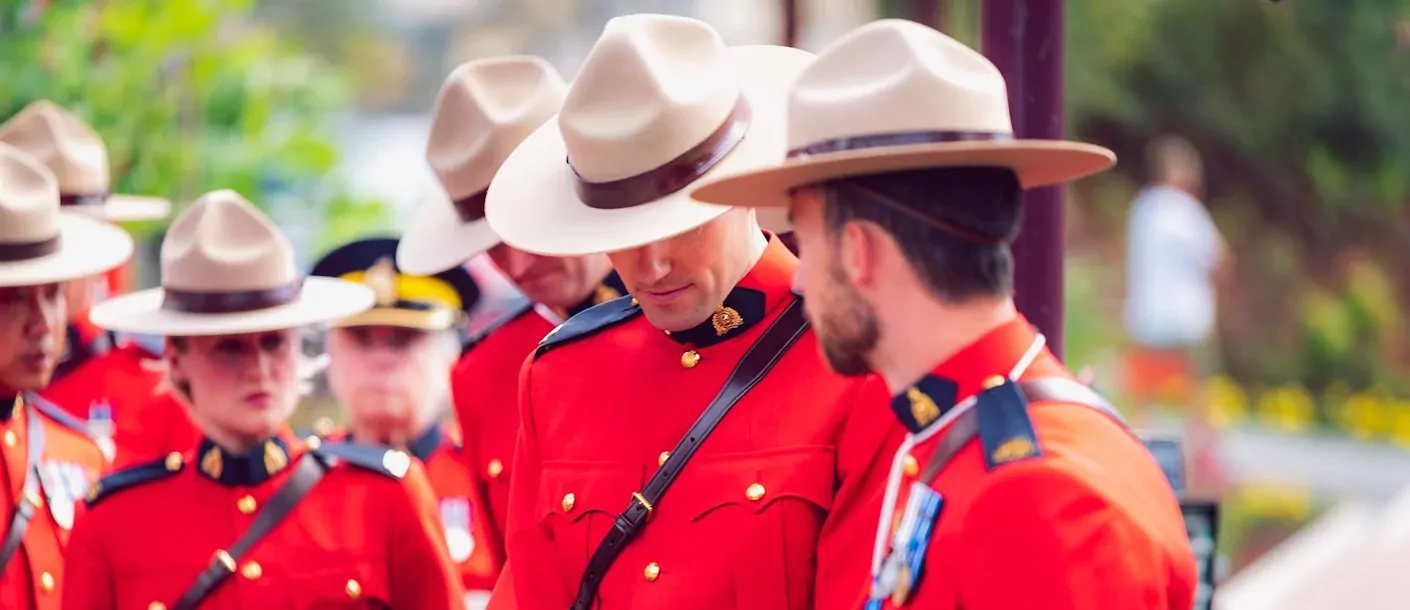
{"points": [[1298, 109], [190, 96]]}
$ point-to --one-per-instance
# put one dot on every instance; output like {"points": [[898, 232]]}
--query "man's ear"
{"points": [[857, 252]]}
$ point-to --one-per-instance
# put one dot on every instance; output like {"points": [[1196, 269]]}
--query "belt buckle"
{"points": [[640, 499]]}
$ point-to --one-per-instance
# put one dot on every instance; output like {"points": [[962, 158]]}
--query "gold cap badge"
{"points": [[382, 279], [726, 319]]}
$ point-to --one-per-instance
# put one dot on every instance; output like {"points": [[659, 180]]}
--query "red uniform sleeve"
{"points": [[526, 540], [423, 576], [1042, 537], [88, 579], [864, 455]]}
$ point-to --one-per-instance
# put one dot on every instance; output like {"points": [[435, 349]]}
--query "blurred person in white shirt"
{"points": [[1175, 258]]}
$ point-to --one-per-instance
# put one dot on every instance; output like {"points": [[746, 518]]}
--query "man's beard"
{"points": [[847, 330]]}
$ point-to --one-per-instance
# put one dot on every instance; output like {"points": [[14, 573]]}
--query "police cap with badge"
{"points": [[422, 302]]}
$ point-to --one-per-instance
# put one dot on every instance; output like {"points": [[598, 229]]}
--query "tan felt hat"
{"points": [[661, 103], [894, 95], [40, 243], [226, 269], [79, 160], [484, 110]]}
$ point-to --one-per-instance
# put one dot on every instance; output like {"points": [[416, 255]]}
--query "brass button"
{"points": [[634, 302], [495, 468], [690, 358], [156, 606], [251, 571], [354, 590], [755, 492], [912, 466], [323, 426], [46, 582], [652, 572], [313, 442], [247, 505], [994, 382], [174, 461], [10, 438], [661, 459], [568, 500]]}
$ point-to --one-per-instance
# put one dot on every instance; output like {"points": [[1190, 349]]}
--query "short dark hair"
{"points": [[974, 212]]}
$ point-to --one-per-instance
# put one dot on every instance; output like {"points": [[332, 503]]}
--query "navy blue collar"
{"points": [[742, 309], [924, 402], [423, 447], [247, 469]]}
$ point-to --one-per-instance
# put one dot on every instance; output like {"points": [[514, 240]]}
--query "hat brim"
{"points": [[87, 247], [320, 300], [533, 205], [436, 239], [130, 208], [1036, 163]]}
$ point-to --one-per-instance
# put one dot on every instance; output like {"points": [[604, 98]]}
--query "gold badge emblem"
{"points": [[604, 293], [382, 279], [1015, 448], [212, 464], [274, 457], [726, 319], [923, 409]]}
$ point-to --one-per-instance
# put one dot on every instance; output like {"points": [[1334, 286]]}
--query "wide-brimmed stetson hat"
{"points": [[226, 269], [40, 243], [79, 160], [485, 109], [421, 302], [894, 95], [660, 104]]}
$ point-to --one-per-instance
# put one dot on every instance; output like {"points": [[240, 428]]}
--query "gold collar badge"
{"points": [[726, 319], [212, 463], [923, 409], [274, 457]]}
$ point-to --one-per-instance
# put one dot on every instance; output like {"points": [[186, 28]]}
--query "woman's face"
{"points": [[391, 380], [240, 385]]}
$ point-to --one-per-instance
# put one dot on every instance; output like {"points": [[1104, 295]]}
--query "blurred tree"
{"points": [[1298, 109], [190, 96]]}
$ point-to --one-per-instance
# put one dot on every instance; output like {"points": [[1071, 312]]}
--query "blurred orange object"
{"points": [[1160, 375]]}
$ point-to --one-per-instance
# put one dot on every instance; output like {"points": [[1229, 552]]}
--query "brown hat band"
{"points": [[23, 251], [471, 208], [673, 176], [94, 199], [906, 138], [191, 301]]}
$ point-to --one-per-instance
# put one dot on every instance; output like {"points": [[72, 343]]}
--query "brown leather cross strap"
{"points": [[28, 250], [90, 199], [28, 500], [471, 208], [905, 138], [307, 473], [191, 301], [674, 175], [781, 334]]}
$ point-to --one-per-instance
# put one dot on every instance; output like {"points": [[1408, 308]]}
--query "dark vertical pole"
{"points": [[1024, 38], [926, 12], [790, 23]]}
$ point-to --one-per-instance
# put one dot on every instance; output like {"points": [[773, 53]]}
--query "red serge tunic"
{"points": [[1075, 515], [774, 511]]}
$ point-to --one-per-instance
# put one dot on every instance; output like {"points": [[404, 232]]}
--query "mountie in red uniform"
{"points": [[773, 512], [49, 465], [996, 502], [485, 388], [364, 534], [121, 392], [462, 509]]}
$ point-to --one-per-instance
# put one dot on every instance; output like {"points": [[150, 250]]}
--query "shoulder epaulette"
{"points": [[133, 476], [382, 460], [1006, 431], [475, 340], [588, 322], [52, 411]]}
